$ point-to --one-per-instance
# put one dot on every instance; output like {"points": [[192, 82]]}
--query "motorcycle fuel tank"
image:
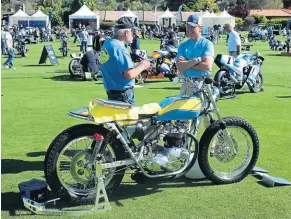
{"points": [[180, 108]]}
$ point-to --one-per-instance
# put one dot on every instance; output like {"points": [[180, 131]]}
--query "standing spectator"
{"points": [[143, 31], [234, 42], [9, 45], [3, 44], [135, 42], [84, 38]]}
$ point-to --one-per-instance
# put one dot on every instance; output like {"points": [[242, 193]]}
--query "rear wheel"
{"points": [[250, 39], [68, 167], [224, 84], [222, 162], [242, 39]]}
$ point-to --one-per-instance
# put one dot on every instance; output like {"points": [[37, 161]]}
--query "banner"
{"points": [[179, 15]]}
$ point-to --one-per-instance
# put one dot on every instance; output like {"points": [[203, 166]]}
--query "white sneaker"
{"points": [[6, 66]]}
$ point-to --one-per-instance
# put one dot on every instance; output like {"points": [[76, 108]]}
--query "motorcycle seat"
{"points": [[148, 110]]}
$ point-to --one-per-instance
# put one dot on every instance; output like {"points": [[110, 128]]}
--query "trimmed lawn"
{"points": [[35, 100]]}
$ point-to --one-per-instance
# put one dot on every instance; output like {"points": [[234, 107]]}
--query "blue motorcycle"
{"points": [[233, 73]]}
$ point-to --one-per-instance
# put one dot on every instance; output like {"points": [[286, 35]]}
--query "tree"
{"points": [[257, 4], [286, 3], [259, 19], [249, 20], [241, 11]]}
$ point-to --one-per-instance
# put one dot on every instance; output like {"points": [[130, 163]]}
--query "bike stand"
{"points": [[101, 202]]}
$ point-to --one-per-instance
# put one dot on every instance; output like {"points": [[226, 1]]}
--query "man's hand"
{"points": [[145, 64]]}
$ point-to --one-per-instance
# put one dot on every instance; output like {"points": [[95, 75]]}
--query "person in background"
{"points": [[3, 43], [117, 67], [9, 44], [136, 41], [172, 40], [83, 39], [89, 62], [233, 42], [195, 56], [143, 31]]}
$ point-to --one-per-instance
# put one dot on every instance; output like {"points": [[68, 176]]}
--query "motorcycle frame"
{"points": [[207, 116]]}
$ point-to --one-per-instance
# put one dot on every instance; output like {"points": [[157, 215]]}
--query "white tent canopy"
{"points": [[209, 19], [129, 13], [225, 18], [39, 19], [20, 17], [167, 18], [84, 16]]}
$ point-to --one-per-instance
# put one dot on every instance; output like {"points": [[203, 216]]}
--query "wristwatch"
{"points": [[198, 60]]}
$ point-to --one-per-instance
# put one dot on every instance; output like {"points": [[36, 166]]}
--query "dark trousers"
{"points": [[83, 47], [126, 96]]}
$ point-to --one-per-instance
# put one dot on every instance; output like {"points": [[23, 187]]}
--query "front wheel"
{"points": [[68, 163], [242, 39], [257, 85], [228, 160]]}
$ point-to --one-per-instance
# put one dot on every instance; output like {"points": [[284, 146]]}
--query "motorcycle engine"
{"points": [[172, 155]]}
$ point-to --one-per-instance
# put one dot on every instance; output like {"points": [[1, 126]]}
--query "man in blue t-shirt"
{"points": [[195, 56], [117, 67]]}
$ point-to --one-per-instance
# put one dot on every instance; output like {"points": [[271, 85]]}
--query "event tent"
{"points": [[225, 18], [131, 15], [209, 19], [19, 18], [39, 19], [167, 18], [84, 16]]}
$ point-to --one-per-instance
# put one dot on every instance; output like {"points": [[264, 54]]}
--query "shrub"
{"points": [[249, 20]]}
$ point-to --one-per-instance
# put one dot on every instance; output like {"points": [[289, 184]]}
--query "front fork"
{"points": [[228, 137]]}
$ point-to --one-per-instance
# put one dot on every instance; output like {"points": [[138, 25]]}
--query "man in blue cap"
{"points": [[195, 56], [117, 67]]}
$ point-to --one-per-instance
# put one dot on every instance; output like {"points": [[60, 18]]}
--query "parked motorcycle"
{"points": [[76, 69], [164, 61], [21, 47], [155, 140], [229, 76], [257, 36], [137, 56], [64, 49]]}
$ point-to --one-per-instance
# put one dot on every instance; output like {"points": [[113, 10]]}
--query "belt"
{"points": [[120, 91]]}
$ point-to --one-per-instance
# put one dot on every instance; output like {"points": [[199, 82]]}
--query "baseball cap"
{"points": [[125, 23], [194, 20]]}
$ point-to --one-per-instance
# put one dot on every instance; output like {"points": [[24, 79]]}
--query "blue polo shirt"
{"points": [[196, 48], [115, 60]]}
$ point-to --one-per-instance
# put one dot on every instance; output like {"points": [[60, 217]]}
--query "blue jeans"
{"points": [[3, 47], [11, 57], [83, 47], [124, 96]]}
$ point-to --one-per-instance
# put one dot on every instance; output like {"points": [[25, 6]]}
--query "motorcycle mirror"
{"points": [[175, 80]]}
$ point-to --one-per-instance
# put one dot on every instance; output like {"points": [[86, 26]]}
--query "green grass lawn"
{"points": [[35, 100]]}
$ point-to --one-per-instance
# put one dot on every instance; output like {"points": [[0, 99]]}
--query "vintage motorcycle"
{"points": [[64, 49], [76, 70], [257, 36], [137, 56], [155, 140], [164, 61], [21, 47], [235, 73]]}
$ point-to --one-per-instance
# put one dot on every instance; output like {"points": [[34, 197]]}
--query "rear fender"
{"points": [[82, 113]]}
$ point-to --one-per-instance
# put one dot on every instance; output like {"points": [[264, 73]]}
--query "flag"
{"points": [[179, 15]]}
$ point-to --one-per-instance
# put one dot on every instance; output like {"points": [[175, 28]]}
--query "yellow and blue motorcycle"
{"points": [[154, 140]]}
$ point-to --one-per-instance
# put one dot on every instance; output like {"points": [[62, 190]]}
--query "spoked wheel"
{"points": [[141, 78], [173, 73], [74, 67], [258, 84], [228, 160], [69, 163]]}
